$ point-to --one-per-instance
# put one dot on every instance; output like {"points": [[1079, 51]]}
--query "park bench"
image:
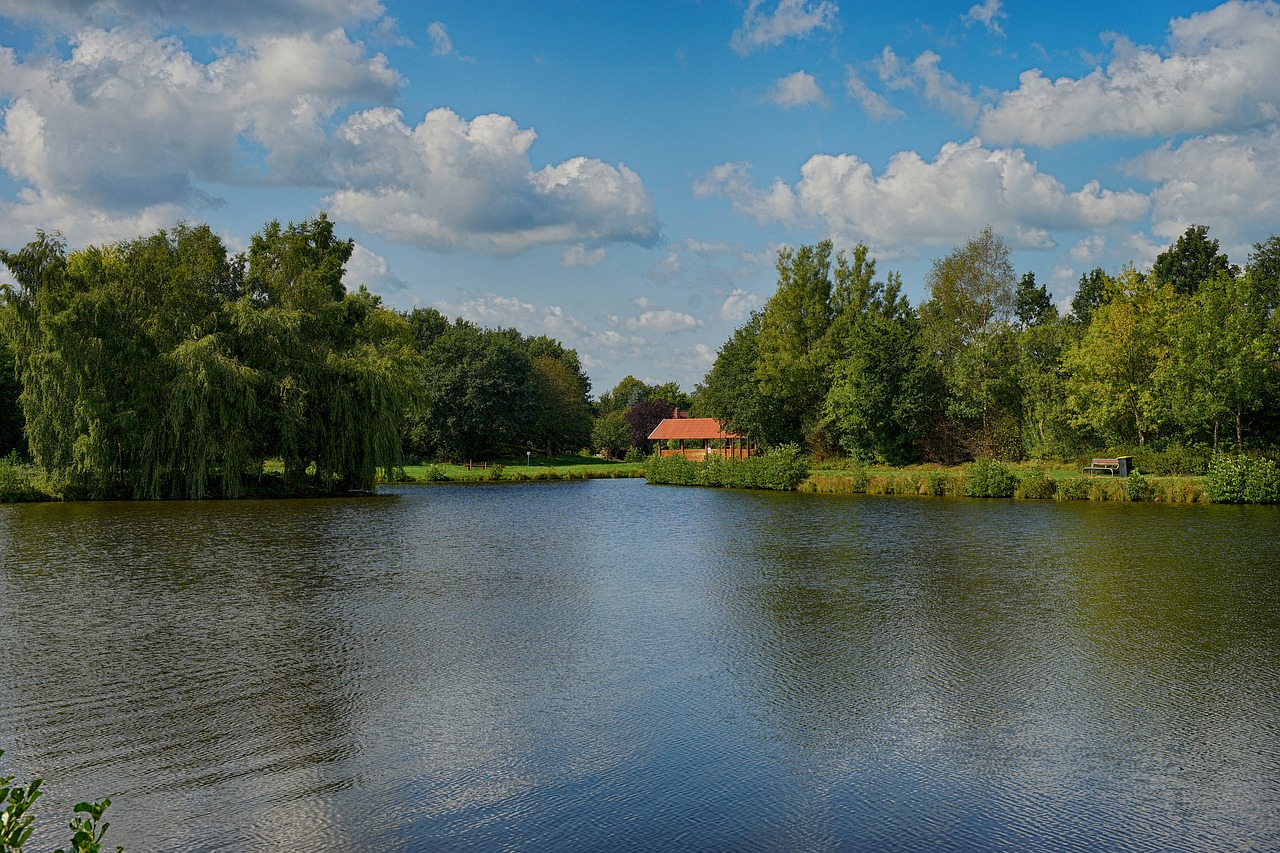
{"points": [[1118, 467]]}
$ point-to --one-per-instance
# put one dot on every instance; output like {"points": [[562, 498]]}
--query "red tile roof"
{"points": [[690, 428]]}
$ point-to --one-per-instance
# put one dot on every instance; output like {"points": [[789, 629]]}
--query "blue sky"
{"points": [[621, 175]]}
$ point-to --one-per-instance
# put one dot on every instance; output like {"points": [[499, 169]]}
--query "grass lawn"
{"points": [[533, 467]]}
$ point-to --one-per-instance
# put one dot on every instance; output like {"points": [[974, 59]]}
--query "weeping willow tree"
{"points": [[162, 367]]}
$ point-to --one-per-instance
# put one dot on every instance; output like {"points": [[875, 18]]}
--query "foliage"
{"points": [[1236, 478], [1094, 290], [1138, 488], [778, 469], [1191, 261], [611, 434], [16, 481], [16, 824], [1032, 303], [988, 479], [1112, 385], [732, 394], [1037, 486], [163, 367], [643, 418]]}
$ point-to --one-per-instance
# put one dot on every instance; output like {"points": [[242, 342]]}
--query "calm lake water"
{"points": [[613, 665]]}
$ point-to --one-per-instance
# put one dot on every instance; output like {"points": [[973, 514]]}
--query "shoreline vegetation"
{"points": [[167, 367], [1230, 479]]}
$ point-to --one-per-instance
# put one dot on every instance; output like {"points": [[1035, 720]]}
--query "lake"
{"points": [[613, 665]]}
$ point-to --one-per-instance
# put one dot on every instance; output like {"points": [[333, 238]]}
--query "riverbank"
{"points": [[1019, 481], [517, 470]]}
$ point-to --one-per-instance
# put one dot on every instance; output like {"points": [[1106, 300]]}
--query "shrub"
{"points": [[1262, 482], [494, 473], [18, 481], [1137, 488], [634, 454], [1225, 482], [988, 479], [435, 474], [780, 469], [1074, 489], [935, 483], [1037, 486]]}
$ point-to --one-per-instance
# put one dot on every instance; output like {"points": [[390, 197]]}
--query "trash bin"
{"points": [[1126, 463]]}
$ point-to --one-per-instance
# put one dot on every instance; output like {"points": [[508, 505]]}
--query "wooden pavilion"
{"points": [[702, 433]]}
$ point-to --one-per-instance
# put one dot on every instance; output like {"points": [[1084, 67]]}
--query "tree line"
{"points": [[987, 367], [168, 367]]}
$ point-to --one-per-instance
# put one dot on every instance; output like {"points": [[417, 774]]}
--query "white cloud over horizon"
{"points": [[1221, 72]]}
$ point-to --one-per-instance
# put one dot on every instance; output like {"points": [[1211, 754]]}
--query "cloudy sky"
{"points": [[620, 175]]}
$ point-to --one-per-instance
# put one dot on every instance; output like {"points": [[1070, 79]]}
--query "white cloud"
{"points": [[372, 270], [580, 257], [797, 90], [1231, 183], [739, 304], [777, 204], [128, 123], [873, 103], [925, 77], [199, 16], [659, 320], [441, 44], [449, 183], [790, 18], [988, 13], [1088, 249], [496, 311], [920, 202], [1221, 71]]}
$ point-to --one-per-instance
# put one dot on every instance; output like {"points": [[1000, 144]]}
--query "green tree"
{"points": [[1033, 303], [1111, 386], [731, 393], [1092, 293], [478, 402], [882, 389], [965, 326], [1222, 358], [562, 415], [1191, 261], [611, 435], [1263, 271], [792, 356]]}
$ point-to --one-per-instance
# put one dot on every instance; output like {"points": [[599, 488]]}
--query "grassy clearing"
{"points": [[1032, 482], [518, 470]]}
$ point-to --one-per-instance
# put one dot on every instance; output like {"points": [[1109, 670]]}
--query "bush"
{"points": [[1240, 479], [634, 454], [780, 469], [435, 474], [1037, 486], [1137, 488], [494, 473], [16, 481], [1074, 489], [988, 479]]}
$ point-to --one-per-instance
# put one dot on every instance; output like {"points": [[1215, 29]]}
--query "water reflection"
{"points": [[609, 664]]}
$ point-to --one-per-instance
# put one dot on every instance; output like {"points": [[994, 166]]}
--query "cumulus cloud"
{"points": [[923, 76], [988, 13], [739, 304], [372, 270], [797, 90], [1229, 182], [441, 44], [915, 201], [450, 183], [873, 103], [789, 18], [129, 123], [660, 320], [581, 257], [1220, 72], [242, 17]]}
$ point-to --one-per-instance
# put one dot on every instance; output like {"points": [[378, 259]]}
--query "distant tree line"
{"points": [[986, 367], [167, 367]]}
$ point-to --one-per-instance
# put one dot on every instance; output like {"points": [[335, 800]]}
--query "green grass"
{"points": [[845, 476], [520, 469]]}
